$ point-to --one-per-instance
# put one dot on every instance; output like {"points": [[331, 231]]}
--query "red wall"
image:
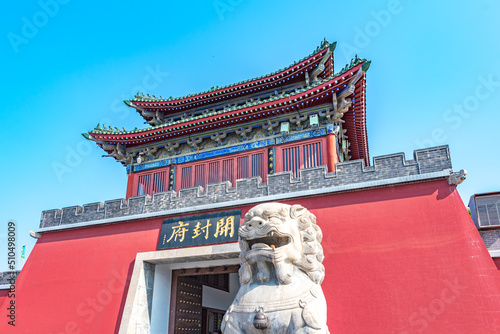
{"points": [[400, 260], [406, 259], [76, 281], [3, 296]]}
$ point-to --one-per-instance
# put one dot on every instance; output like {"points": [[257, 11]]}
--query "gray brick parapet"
{"points": [[491, 239], [8, 277], [388, 167]]}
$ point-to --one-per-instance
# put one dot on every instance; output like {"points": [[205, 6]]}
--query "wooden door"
{"points": [[186, 296], [188, 310]]}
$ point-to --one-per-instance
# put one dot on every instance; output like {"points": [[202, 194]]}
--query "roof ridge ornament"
{"points": [[366, 65], [321, 66], [456, 178]]}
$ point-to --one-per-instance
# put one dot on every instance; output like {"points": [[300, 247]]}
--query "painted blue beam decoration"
{"points": [[300, 136], [230, 150], [205, 229]]}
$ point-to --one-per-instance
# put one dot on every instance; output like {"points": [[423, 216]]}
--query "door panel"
{"points": [[188, 313]]}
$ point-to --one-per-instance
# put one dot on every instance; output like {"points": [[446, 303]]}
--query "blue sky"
{"points": [[67, 65]]}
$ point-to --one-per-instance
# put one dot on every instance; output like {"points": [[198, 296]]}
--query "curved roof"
{"points": [[291, 74], [317, 93]]}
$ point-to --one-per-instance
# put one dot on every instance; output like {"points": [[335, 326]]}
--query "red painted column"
{"points": [[331, 152], [178, 177], [130, 185]]}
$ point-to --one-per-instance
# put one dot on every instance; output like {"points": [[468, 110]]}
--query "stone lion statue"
{"points": [[281, 272]]}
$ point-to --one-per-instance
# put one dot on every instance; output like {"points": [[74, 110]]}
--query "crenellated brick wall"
{"points": [[491, 239], [6, 277], [426, 161]]}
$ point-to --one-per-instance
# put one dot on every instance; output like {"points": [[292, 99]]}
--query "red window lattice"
{"points": [[227, 169], [292, 157], [301, 155], [151, 183]]}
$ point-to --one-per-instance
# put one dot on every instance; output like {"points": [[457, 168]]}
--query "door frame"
{"points": [[137, 300]]}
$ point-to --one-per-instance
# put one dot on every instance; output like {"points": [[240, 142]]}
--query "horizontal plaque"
{"points": [[204, 229]]}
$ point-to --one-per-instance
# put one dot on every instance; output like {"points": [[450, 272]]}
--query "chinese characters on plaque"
{"points": [[205, 229]]}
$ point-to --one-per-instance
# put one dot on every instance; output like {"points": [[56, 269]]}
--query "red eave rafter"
{"points": [[355, 124], [234, 91]]}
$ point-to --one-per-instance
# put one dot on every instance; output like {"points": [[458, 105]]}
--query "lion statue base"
{"points": [[280, 275]]}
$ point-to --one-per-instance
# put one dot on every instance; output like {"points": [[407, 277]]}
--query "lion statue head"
{"points": [[281, 272], [283, 235]]}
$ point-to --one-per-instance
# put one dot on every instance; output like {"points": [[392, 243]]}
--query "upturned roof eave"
{"points": [[197, 100], [133, 136]]}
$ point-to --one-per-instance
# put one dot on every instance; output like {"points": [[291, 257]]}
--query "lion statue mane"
{"points": [[280, 275]]}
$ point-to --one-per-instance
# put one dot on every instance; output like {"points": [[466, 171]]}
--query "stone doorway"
{"points": [[148, 305]]}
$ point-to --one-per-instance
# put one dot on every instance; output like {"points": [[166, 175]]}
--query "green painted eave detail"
{"points": [[366, 65], [86, 135], [127, 102], [333, 46]]}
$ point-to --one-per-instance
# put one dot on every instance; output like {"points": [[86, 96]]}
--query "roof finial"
{"points": [[366, 65]]}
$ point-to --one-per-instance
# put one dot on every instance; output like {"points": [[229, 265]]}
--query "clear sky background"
{"points": [[67, 65]]}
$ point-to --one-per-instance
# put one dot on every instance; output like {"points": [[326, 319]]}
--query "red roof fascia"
{"points": [[355, 124]]}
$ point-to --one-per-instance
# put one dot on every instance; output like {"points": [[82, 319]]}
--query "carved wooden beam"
{"points": [[331, 117], [129, 158], [172, 147], [150, 152], [193, 142], [158, 119], [218, 138], [118, 151], [341, 101], [187, 115], [297, 120], [269, 127], [242, 132]]}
